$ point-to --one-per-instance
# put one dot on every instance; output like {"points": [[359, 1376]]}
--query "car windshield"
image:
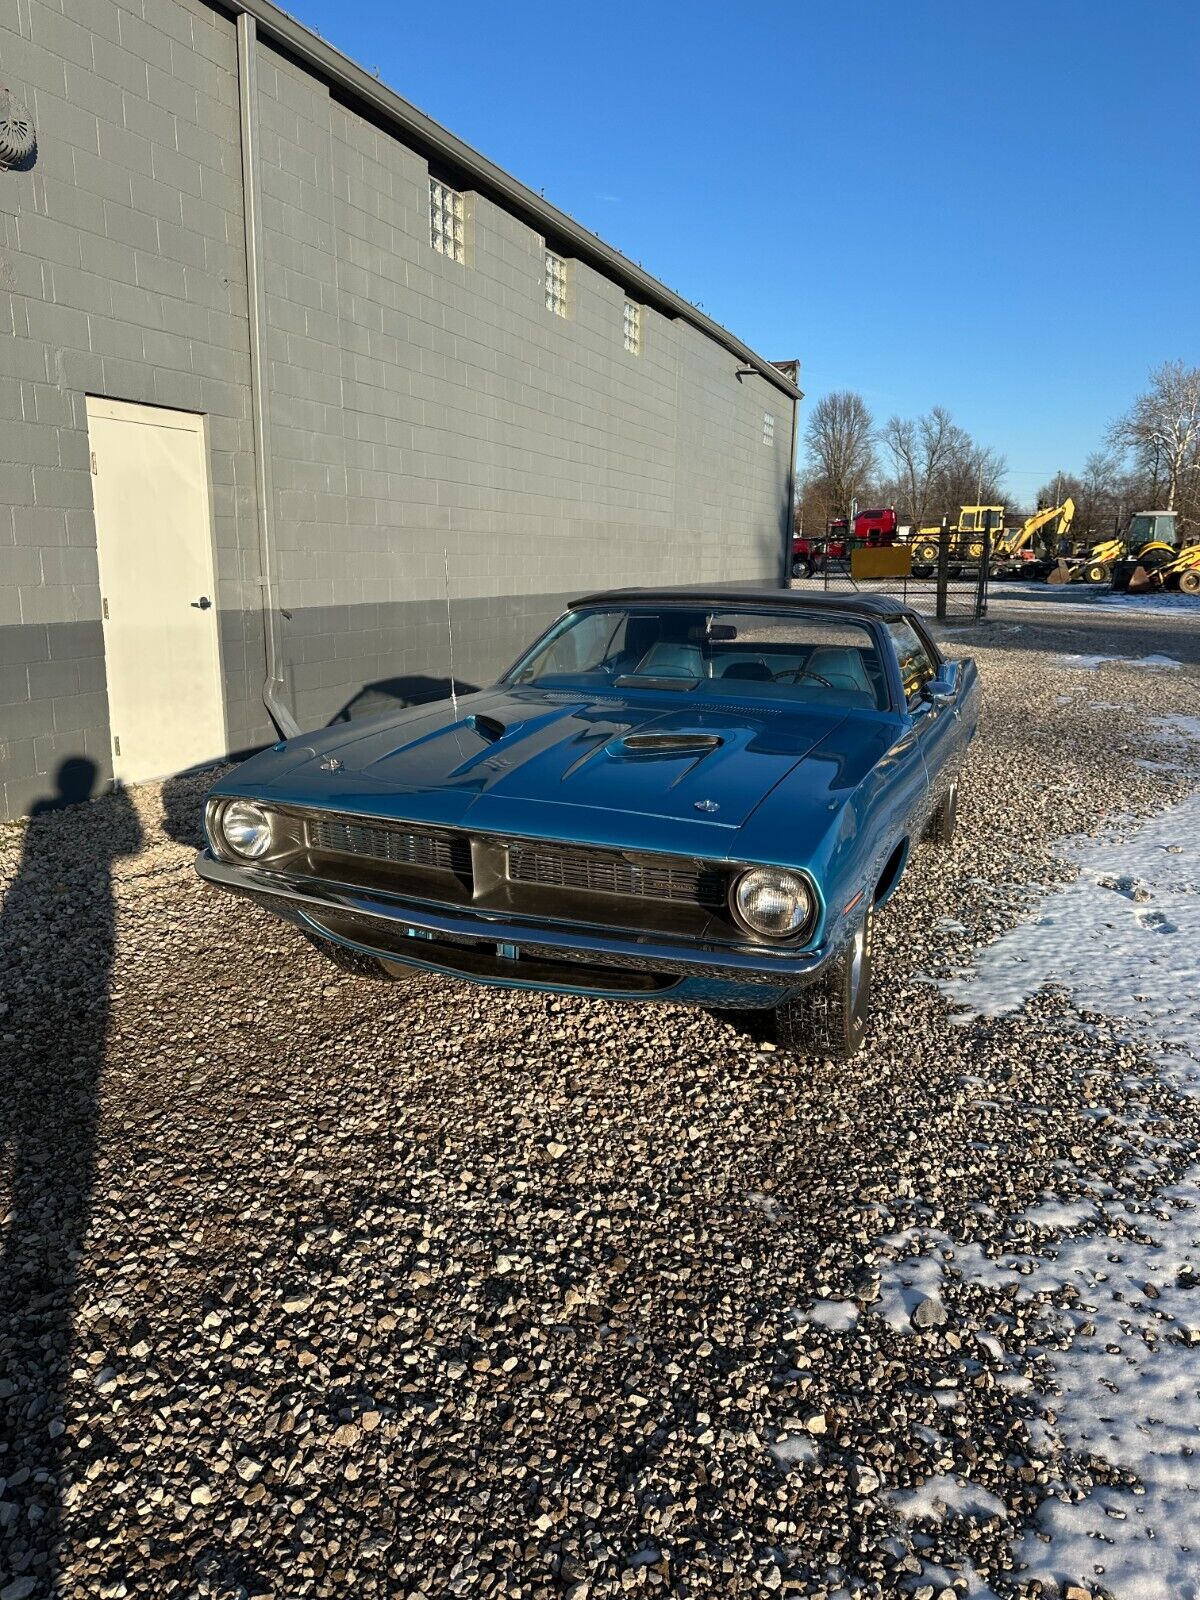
{"points": [[712, 654]]}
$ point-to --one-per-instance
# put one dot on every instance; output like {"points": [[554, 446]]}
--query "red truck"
{"points": [[876, 526]]}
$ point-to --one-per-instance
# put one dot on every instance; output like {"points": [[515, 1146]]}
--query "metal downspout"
{"points": [[274, 688], [790, 518]]}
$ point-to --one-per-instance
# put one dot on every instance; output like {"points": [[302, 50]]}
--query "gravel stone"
{"points": [[930, 1313]]}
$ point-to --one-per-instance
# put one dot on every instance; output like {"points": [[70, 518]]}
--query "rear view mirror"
{"points": [[940, 691]]}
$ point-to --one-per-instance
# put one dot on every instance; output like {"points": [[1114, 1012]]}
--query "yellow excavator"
{"points": [[1015, 553], [1013, 549], [1181, 572], [1151, 540], [1161, 564]]}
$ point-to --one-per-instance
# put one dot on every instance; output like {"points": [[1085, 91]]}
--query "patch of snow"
{"points": [[944, 1495], [1091, 663], [1127, 946], [645, 1557], [904, 1285], [1015, 1381], [943, 1578], [948, 1399], [1082, 599], [1055, 1213], [1106, 1538], [839, 1316], [1177, 729], [927, 1435], [1181, 1069], [793, 1449], [1126, 1392]]}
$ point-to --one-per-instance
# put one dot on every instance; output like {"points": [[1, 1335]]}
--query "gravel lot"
{"points": [[313, 1287]]}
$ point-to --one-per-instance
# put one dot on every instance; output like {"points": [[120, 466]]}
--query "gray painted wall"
{"points": [[421, 409]]}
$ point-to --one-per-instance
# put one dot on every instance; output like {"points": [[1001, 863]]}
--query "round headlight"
{"points": [[772, 901], [246, 829]]}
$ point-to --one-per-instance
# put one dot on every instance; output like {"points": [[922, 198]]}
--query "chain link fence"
{"points": [[940, 572]]}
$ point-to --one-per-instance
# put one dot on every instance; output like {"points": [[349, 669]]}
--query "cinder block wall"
{"points": [[122, 273], [427, 412], [424, 412]]}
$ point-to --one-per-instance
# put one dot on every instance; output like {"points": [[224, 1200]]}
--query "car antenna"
{"points": [[450, 633]]}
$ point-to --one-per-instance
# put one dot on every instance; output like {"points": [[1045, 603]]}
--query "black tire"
{"points": [[1096, 572], [829, 1019], [1189, 580], [354, 962], [925, 555], [944, 822], [801, 568]]}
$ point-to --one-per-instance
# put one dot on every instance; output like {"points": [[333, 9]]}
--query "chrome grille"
{"points": [[609, 873], [398, 846]]}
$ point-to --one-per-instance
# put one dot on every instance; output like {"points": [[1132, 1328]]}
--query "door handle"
{"points": [[202, 604]]}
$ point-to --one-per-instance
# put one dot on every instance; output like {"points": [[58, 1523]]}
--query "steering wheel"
{"points": [[797, 674]]}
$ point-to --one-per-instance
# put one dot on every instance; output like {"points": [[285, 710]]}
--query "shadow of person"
{"points": [[183, 800], [57, 939]]}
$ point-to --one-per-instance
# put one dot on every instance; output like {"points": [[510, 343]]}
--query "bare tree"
{"points": [[921, 450], [840, 440], [1063, 486], [814, 504], [974, 475], [1104, 494], [1161, 431]]}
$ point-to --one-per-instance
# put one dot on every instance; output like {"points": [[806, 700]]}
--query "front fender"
{"points": [[842, 813]]}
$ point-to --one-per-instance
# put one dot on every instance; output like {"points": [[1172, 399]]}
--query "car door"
{"points": [[934, 724]]}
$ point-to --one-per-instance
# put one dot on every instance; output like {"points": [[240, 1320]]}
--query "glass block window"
{"points": [[556, 284], [768, 428], [633, 328], [446, 220]]}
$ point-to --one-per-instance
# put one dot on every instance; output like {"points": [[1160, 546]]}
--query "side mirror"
{"points": [[940, 691]]}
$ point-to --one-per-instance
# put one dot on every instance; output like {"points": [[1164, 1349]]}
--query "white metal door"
{"points": [[154, 542]]}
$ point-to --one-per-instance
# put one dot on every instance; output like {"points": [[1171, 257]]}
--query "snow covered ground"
{"points": [[1120, 1280], [1090, 663], [1124, 937], [1074, 597]]}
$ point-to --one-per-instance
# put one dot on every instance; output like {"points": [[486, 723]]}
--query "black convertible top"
{"points": [[883, 607]]}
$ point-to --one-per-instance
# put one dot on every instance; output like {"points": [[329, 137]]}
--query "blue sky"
{"points": [[992, 207]]}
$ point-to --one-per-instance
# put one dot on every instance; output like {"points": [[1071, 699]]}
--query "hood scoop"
{"points": [[669, 744], [489, 728]]}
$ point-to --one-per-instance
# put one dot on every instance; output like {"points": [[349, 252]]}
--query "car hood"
{"points": [[552, 763]]}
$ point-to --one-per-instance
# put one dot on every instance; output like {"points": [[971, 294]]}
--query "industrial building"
{"points": [[287, 372]]}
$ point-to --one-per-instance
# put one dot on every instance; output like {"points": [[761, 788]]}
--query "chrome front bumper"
{"points": [[697, 972]]}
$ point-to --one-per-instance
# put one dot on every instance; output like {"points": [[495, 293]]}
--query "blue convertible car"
{"points": [[695, 795]]}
